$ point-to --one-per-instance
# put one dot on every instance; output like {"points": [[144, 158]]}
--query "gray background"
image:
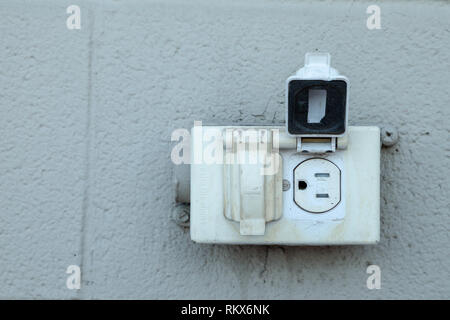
{"points": [[85, 123]]}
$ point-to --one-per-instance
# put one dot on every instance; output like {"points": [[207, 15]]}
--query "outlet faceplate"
{"points": [[317, 185], [304, 204]]}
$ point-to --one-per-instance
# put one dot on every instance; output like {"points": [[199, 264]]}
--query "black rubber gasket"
{"points": [[334, 120]]}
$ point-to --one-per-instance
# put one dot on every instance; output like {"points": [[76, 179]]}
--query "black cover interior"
{"points": [[334, 120]]}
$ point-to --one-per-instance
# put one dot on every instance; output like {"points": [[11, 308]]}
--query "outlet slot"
{"points": [[302, 185], [322, 195], [322, 175]]}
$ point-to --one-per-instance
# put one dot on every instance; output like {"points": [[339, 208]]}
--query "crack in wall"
{"points": [[88, 133]]}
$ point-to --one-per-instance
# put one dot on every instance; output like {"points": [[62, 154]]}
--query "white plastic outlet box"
{"points": [[236, 204]]}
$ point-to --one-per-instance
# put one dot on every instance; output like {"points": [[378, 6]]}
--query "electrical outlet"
{"points": [[306, 206], [317, 185], [313, 182], [354, 220]]}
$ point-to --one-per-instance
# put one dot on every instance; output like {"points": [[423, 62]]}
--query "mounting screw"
{"points": [[181, 214], [286, 185], [389, 136]]}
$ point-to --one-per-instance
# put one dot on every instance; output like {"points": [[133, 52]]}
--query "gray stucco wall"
{"points": [[85, 123]]}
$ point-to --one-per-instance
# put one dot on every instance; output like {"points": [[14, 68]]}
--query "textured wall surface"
{"points": [[85, 123]]}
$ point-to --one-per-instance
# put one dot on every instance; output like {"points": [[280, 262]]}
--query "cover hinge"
{"points": [[316, 145]]}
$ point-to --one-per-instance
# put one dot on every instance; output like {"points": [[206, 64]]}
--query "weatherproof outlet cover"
{"points": [[355, 219]]}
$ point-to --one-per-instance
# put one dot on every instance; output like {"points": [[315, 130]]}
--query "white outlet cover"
{"points": [[356, 220]]}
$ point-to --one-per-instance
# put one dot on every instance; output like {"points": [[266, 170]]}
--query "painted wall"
{"points": [[85, 123]]}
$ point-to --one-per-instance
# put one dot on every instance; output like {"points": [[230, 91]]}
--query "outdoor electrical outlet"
{"points": [[315, 181], [317, 184]]}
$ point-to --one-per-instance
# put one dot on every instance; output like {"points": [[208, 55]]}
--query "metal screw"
{"points": [[286, 185], [181, 214], [389, 136]]}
